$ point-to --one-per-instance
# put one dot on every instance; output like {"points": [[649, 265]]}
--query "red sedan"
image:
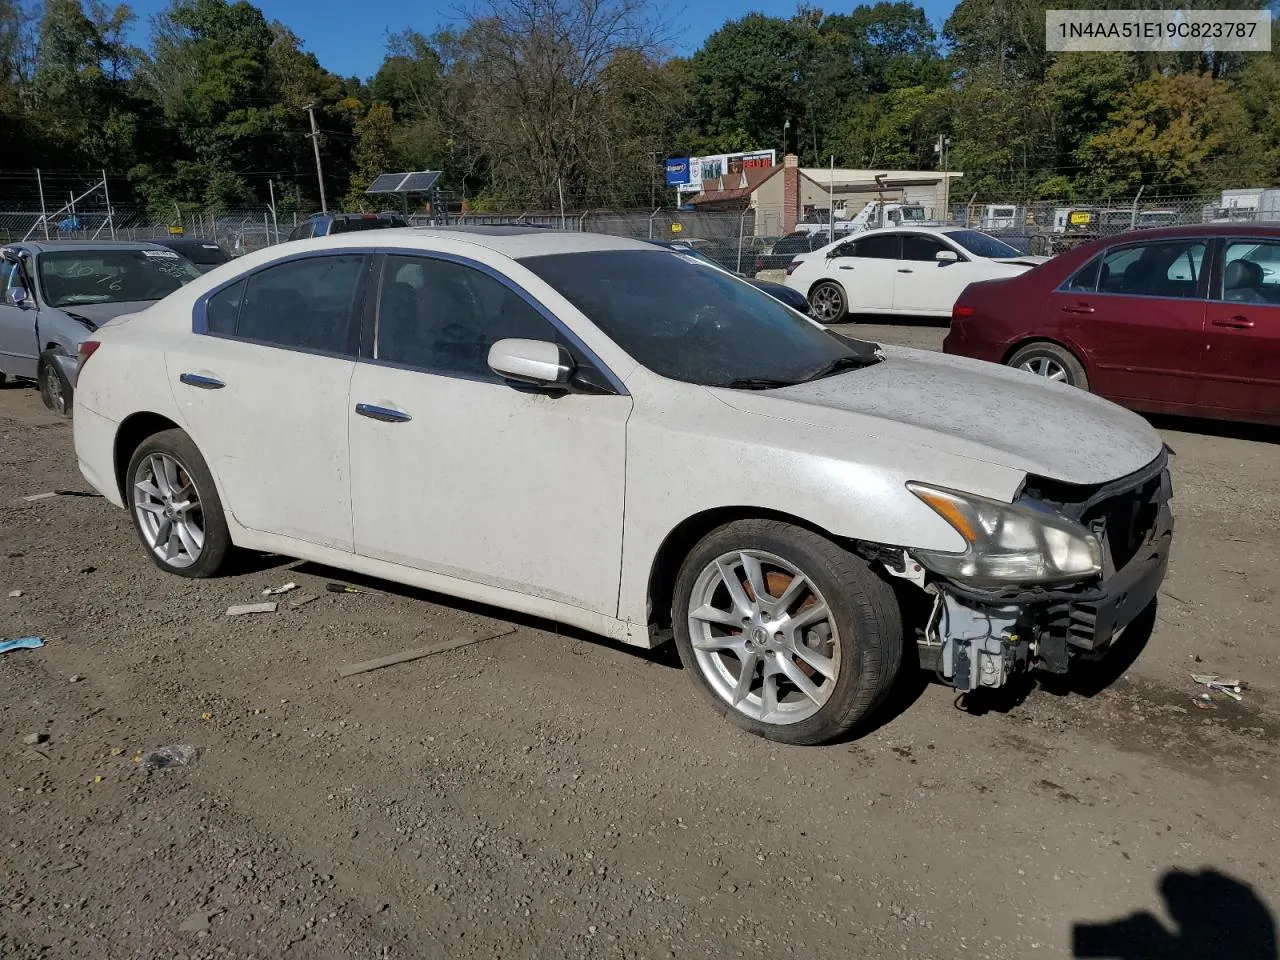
{"points": [[1180, 320]]}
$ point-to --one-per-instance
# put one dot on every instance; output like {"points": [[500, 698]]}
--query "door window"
{"points": [[1169, 268], [1251, 272], [921, 246], [1084, 280], [883, 246], [443, 317], [306, 304]]}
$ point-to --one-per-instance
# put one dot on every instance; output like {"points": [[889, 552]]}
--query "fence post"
{"points": [[1133, 214], [651, 216], [742, 227]]}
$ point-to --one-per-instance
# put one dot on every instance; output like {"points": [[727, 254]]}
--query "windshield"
{"points": [[910, 214], [203, 253], [111, 276], [981, 244], [690, 322]]}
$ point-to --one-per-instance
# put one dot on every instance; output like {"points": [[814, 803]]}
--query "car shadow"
{"points": [[664, 655], [1215, 917], [1229, 429], [893, 320]]}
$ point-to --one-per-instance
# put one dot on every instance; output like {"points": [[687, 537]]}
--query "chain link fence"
{"points": [[738, 239]]}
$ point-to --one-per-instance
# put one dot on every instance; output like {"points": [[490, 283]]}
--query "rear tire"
{"points": [[55, 390], [828, 302], [1052, 362], [171, 496], [818, 655]]}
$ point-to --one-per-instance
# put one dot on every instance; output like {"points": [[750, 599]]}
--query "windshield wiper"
{"points": [[758, 383], [838, 364]]}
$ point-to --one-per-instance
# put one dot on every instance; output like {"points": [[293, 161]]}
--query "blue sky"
{"points": [[350, 39]]}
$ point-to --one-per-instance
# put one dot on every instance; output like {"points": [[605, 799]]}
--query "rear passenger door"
{"points": [[262, 389], [1139, 311]]}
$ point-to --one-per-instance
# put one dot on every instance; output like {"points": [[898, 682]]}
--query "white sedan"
{"points": [[919, 271], [621, 438]]}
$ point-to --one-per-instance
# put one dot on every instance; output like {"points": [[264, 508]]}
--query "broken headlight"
{"points": [[1023, 542]]}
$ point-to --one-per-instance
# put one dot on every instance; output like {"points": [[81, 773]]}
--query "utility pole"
{"points": [[315, 142], [940, 148]]}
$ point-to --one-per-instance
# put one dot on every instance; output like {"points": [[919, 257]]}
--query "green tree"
{"points": [[374, 154]]}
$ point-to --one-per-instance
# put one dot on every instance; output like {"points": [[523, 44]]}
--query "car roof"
{"points": [[52, 246], [516, 242]]}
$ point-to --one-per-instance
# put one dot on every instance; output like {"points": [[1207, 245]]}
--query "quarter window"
{"points": [[306, 304], [443, 317], [1170, 268]]}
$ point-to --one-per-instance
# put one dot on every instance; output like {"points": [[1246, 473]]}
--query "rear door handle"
{"points": [[201, 381], [1078, 308], [385, 414], [845, 266], [1235, 323], [905, 270]]}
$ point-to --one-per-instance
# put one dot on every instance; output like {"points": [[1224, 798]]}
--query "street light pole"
{"points": [[315, 142], [940, 148]]}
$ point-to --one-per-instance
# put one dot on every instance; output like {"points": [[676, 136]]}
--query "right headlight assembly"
{"points": [[1024, 542]]}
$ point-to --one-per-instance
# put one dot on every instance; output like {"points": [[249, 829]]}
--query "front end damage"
{"points": [[977, 637]]}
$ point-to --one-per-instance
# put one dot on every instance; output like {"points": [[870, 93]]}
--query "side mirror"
{"points": [[18, 296], [537, 362], [946, 256]]}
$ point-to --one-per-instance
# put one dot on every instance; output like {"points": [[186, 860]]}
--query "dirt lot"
{"points": [[548, 794]]}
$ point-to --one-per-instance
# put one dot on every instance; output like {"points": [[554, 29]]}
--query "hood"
{"points": [[99, 313], [971, 409]]}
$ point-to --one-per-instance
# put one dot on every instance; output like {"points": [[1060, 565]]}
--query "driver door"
{"points": [[457, 472], [865, 269], [19, 345], [923, 284]]}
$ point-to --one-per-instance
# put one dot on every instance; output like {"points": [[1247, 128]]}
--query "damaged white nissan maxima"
{"points": [[622, 438]]}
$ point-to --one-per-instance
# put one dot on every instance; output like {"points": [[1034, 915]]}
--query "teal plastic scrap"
{"points": [[22, 643]]}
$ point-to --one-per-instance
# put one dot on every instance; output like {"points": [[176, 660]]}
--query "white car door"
{"points": [[923, 284], [262, 388], [457, 472], [18, 343], [864, 268]]}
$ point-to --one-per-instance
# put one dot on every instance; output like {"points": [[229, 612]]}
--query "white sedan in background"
{"points": [[918, 271], [619, 437]]}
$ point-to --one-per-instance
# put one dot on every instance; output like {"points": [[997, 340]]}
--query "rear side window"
{"points": [[1084, 280], [879, 247], [309, 304], [1169, 269], [302, 231]]}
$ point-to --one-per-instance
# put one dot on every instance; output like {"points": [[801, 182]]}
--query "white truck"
{"points": [[875, 213]]}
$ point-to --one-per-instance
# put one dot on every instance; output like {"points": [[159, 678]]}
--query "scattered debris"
{"points": [[89, 569], [117, 751], [39, 496], [76, 678], [14, 594], [341, 588], [246, 608], [1230, 688], [207, 717], [409, 655], [22, 643], [303, 599], [275, 591], [34, 739], [76, 493], [174, 755]]}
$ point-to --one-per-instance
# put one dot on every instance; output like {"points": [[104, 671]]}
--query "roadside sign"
{"points": [[1080, 217], [676, 228], [176, 230]]}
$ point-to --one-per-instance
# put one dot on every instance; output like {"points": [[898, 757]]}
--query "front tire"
{"points": [[1052, 362], [828, 302], [789, 636], [175, 506], [55, 389]]}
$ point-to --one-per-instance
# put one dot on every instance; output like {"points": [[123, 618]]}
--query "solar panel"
{"points": [[387, 183], [419, 182]]}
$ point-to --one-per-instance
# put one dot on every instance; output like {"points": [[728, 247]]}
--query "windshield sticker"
{"points": [[161, 254]]}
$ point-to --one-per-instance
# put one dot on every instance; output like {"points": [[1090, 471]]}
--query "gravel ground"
{"points": [[549, 794]]}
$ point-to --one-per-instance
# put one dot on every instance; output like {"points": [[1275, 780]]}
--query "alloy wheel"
{"points": [[167, 506], [764, 637], [51, 392], [1046, 367], [827, 303]]}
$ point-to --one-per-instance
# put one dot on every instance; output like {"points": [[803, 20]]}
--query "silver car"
{"points": [[56, 293]]}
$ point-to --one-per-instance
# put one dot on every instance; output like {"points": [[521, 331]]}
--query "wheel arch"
{"points": [[677, 544], [1081, 357], [133, 430], [831, 280]]}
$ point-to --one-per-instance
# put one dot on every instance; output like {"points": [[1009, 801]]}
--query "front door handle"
{"points": [[1078, 308], [385, 414], [1235, 323], [201, 381], [905, 270], [845, 266]]}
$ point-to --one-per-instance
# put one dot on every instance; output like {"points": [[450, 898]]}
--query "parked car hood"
{"points": [[100, 313], [972, 409]]}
